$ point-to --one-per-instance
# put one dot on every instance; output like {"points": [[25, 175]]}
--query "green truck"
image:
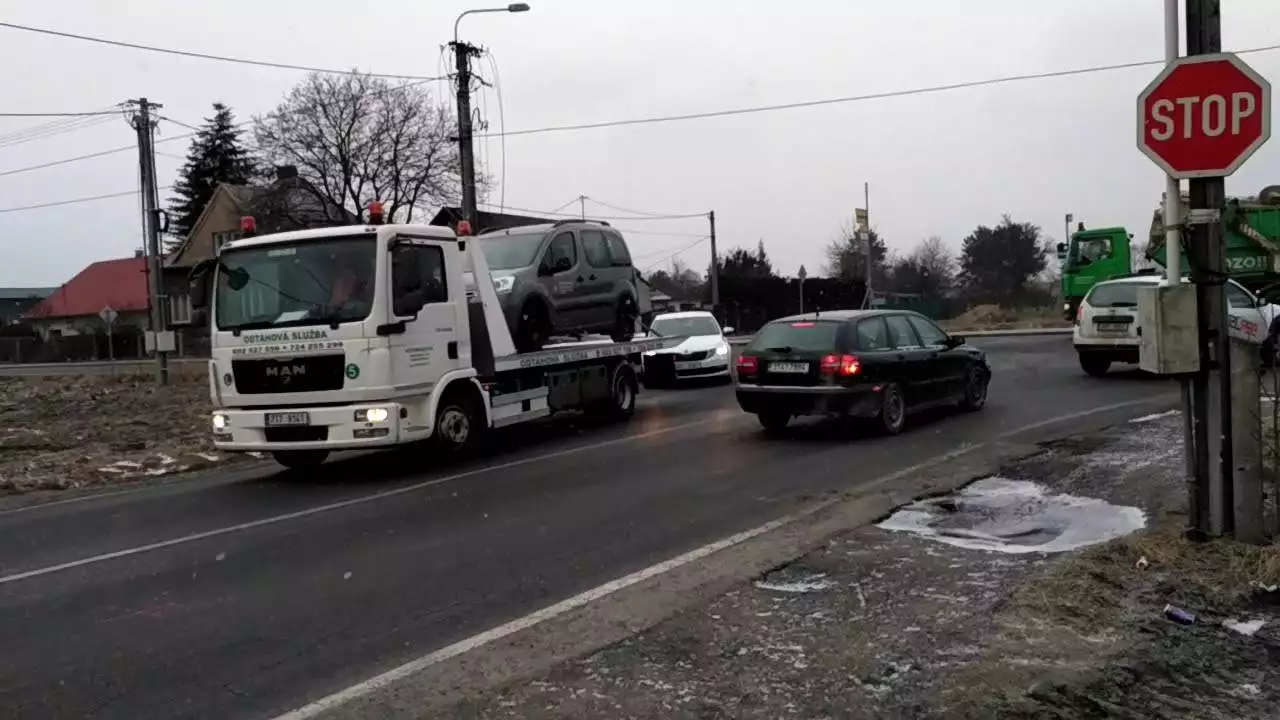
{"points": [[1253, 249]]}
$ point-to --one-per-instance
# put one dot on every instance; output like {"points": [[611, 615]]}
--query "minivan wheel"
{"points": [[624, 327], [533, 328]]}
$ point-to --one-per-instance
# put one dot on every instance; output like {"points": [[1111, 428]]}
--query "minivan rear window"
{"points": [[1116, 294], [797, 335]]}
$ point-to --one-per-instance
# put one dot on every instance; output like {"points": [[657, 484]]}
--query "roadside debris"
{"points": [[63, 433], [1180, 616]]}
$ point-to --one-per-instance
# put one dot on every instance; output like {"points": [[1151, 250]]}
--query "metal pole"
{"points": [[582, 206], [715, 264], [462, 53], [1212, 385], [869, 296], [142, 122], [800, 282]]}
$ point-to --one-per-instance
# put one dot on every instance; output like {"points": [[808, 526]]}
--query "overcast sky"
{"points": [[938, 163]]}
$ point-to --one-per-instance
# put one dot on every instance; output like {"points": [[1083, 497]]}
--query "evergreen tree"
{"points": [[216, 156]]}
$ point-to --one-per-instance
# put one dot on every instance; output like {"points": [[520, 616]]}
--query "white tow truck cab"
{"points": [[375, 335]]}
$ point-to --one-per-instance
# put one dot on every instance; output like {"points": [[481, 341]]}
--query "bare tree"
{"points": [[356, 138]]}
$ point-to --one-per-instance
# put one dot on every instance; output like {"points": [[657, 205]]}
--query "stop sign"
{"points": [[1204, 115]]}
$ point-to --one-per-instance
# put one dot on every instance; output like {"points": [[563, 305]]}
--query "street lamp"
{"points": [[463, 54], [512, 8]]}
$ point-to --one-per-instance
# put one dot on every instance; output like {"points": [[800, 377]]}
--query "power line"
{"points": [[206, 56], [51, 129], [73, 201], [625, 210], [851, 98], [603, 217], [56, 114], [681, 251]]}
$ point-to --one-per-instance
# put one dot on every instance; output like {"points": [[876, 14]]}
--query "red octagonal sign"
{"points": [[1204, 115]]}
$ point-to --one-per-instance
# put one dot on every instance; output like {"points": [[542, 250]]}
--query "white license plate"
{"points": [[288, 419], [789, 367], [1112, 328]]}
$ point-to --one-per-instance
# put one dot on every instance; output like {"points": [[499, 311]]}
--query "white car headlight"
{"points": [[722, 350], [650, 353], [504, 284]]}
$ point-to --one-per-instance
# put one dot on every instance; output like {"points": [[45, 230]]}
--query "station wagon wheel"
{"points": [[893, 409], [975, 391]]}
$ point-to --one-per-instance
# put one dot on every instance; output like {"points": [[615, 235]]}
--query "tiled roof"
{"points": [[118, 284]]}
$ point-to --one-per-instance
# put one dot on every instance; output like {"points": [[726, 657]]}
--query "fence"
{"points": [[125, 345]]}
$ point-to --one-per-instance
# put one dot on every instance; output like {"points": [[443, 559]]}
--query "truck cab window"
{"points": [[419, 268]]}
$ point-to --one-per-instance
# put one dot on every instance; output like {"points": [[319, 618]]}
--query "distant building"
{"points": [[73, 308], [15, 302]]}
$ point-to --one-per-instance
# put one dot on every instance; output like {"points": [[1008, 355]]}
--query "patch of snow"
{"points": [[1245, 627], [209, 456], [1249, 690], [814, 583], [1156, 416], [1017, 517]]}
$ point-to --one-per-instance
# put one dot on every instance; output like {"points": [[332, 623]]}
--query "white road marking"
{"points": [[717, 417], [552, 611]]}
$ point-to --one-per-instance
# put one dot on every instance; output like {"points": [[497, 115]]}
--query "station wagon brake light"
{"points": [[1079, 312], [845, 365], [748, 365], [802, 324]]}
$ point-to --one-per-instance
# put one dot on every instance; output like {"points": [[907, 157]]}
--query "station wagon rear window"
{"points": [[797, 335], [1116, 294]]}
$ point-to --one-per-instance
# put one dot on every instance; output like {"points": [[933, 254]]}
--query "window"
{"points": [[595, 248], [430, 276], [222, 238], [806, 335], [179, 308], [900, 332], [930, 334], [618, 253], [561, 250], [1113, 294], [1237, 297], [873, 335]]}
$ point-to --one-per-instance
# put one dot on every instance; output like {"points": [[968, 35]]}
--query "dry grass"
{"points": [[994, 317]]}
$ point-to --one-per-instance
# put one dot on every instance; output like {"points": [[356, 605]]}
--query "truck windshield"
{"points": [[1087, 251], [1116, 294], [508, 252], [304, 283]]}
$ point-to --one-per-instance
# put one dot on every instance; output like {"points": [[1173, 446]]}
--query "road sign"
{"points": [[1204, 115], [108, 315]]}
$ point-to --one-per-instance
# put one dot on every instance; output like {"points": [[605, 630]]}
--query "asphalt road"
{"points": [[229, 597]]}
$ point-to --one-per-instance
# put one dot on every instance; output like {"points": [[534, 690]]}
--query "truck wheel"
{"points": [[458, 423], [624, 327], [1095, 365], [621, 403], [893, 410], [533, 328], [300, 459]]}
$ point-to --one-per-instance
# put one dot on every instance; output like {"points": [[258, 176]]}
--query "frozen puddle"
{"points": [[1015, 516]]}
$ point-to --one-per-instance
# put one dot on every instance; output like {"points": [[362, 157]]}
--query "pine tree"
{"points": [[216, 156]]}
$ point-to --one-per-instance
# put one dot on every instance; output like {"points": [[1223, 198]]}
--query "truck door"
{"points": [[434, 341]]}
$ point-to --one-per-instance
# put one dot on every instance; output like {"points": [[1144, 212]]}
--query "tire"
{"points": [[624, 326], [893, 410], [459, 423], [773, 421], [298, 460], [621, 403], [1095, 365], [533, 328], [975, 389]]}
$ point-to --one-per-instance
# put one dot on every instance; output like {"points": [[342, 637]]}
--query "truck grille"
{"points": [[289, 375]]}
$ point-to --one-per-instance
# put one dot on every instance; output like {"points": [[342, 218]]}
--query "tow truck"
{"points": [[375, 335]]}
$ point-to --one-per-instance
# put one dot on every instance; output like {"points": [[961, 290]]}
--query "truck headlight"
{"points": [[504, 284], [372, 415], [219, 421]]}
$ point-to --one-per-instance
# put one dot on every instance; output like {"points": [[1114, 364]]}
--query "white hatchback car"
{"points": [[1106, 326], [704, 353]]}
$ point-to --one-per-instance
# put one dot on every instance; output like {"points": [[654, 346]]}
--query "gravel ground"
{"points": [[881, 624], [63, 433]]}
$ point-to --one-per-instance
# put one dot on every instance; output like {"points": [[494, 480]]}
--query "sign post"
{"points": [[1200, 119], [800, 276], [109, 315]]}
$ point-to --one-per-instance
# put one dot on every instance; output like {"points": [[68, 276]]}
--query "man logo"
{"points": [[286, 371]]}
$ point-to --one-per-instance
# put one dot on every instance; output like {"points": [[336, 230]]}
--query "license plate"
{"points": [[288, 419], [789, 367], [1112, 328]]}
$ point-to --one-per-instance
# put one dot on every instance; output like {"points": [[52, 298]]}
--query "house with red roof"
{"points": [[75, 307]]}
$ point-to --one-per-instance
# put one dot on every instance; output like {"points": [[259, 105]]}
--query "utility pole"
{"points": [[866, 208], [462, 53], [1211, 386], [582, 206], [715, 264], [144, 123]]}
